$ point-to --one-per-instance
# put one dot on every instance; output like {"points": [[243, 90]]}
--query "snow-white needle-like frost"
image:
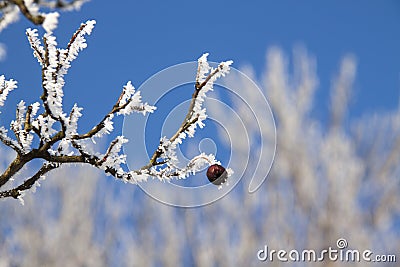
{"points": [[78, 42], [58, 132], [51, 44], [89, 25], [197, 163], [24, 137], [131, 101], [45, 126], [113, 159], [63, 146], [108, 126], [5, 88], [58, 61], [203, 68], [199, 114], [72, 121], [205, 78], [7, 140], [127, 92], [198, 111], [52, 82], [35, 108], [38, 50], [50, 21], [18, 123]]}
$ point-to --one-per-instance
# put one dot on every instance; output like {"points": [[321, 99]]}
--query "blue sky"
{"points": [[135, 39]]}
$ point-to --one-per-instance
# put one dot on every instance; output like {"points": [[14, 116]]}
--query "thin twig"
{"points": [[37, 20], [185, 123], [27, 184]]}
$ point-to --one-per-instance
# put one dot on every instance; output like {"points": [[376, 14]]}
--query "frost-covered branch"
{"points": [[31, 9], [46, 131], [18, 192], [205, 78]]}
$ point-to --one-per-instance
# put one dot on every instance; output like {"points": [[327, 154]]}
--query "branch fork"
{"points": [[44, 131]]}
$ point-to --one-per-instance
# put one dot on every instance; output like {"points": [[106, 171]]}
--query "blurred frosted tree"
{"points": [[329, 180]]}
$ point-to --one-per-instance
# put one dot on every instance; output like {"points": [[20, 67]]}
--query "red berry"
{"points": [[217, 174]]}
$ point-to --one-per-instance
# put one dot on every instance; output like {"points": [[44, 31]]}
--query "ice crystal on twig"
{"points": [[57, 135]]}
